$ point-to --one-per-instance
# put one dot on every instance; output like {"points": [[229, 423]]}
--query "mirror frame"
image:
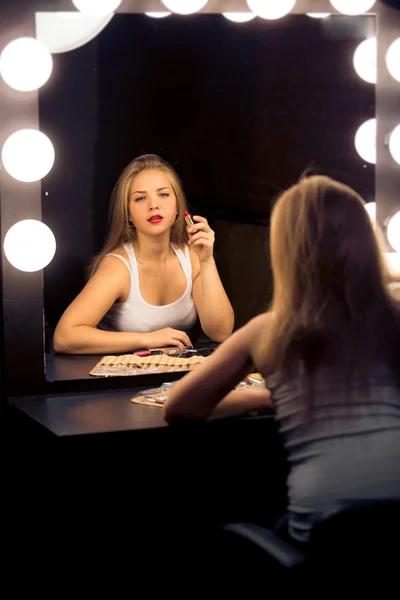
{"points": [[22, 293]]}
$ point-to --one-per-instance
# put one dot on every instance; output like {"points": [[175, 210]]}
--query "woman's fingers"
{"points": [[202, 242], [181, 337], [203, 237], [200, 225]]}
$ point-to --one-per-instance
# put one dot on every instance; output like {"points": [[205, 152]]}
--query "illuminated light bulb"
{"points": [[352, 7], [365, 60], [239, 17], [394, 144], [28, 155], [157, 15], [393, 232], [25, 64], [97, 7], [184, 7], [370, 207], [393, 59], [66, 31], [29, 245], [271, 9], [365, 141]]}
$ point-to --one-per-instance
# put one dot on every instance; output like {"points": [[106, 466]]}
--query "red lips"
{"points": [[155, 219]]}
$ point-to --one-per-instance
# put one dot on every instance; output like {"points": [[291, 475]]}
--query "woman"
{"points": [[329, 349], [153, 276]]}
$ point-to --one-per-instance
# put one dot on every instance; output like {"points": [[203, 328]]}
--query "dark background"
{"points": [[240, 110]]}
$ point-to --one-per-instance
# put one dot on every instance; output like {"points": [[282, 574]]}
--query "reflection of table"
{"points": [[67, 367]]}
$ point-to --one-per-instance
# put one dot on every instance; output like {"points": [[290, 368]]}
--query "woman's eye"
{"points": [[165, 195], [140, 198]]}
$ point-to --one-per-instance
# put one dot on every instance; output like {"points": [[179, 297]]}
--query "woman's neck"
{"points": [[152, 249]]}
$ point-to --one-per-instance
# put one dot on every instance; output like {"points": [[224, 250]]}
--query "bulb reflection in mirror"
{"points": [[318, 15], [394, 144], [393, 232], [29, 245], [352, 7], [184, 7], [239, 17], [370, 207], [365, 141], [97, 7], [365, 60], [393, 59], [271, 9], [157, 15], [25, 64]]}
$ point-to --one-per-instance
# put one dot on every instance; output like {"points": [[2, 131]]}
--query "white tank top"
{"points": [[137, 315]]}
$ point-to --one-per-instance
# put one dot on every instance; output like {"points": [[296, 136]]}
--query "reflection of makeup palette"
{"points": [[131, 364]]}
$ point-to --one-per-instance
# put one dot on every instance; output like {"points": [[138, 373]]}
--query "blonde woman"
{"points": [[329, 349], [154, 276]]}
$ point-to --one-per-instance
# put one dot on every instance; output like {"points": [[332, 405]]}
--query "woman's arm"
{"points": [[207, 391], [240, 402], [76, 332], [212, 304]]}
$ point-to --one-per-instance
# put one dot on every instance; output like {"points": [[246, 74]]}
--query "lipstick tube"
{"points": [[188, 218]]}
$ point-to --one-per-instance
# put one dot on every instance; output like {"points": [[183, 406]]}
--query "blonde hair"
{"points": [[121, 231], [330, 301]]}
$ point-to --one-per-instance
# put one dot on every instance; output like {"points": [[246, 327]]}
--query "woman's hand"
{"points": [[165, 337], [201, 238]]}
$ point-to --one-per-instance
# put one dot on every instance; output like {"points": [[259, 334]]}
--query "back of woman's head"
{"points": [[330, 294]]}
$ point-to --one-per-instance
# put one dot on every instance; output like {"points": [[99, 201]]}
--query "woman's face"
{"points": [[152, 203]]}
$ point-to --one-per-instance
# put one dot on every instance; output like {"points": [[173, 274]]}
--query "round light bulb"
{"points": [[318, 15], [352, 7], [184, 7], [29, 245], [63, 31], [239, 17], [393, 59], [28, 155], [97, 7], [393, 232], [393, 262], [271, 9], [394, 144], [365, 141], [157, 15], [25, 64], [370, 207], [365, 60]]}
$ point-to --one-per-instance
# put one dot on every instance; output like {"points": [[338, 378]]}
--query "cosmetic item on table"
{"points": [[148, 352], [188, 352], [132, 364], [154, 396]]}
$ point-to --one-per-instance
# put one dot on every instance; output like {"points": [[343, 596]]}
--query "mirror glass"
{"points": [[240, 110]]}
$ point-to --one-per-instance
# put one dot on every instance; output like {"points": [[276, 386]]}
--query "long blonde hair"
{"points": [[330, 300], [121, 231]]}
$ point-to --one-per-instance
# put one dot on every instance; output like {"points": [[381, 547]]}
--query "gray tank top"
{"points": [[347, 454]]}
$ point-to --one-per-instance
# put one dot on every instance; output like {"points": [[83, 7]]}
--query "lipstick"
{"points": [[188, 218]]}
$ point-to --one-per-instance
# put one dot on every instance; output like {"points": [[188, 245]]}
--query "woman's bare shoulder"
{"points": [[259, 329], [121, 251], [259, 322]]}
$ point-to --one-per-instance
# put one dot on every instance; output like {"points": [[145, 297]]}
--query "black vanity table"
{"points": [[94, 447]]}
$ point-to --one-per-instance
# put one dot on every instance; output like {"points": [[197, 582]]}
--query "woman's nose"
{"points": [[154, 204]]}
